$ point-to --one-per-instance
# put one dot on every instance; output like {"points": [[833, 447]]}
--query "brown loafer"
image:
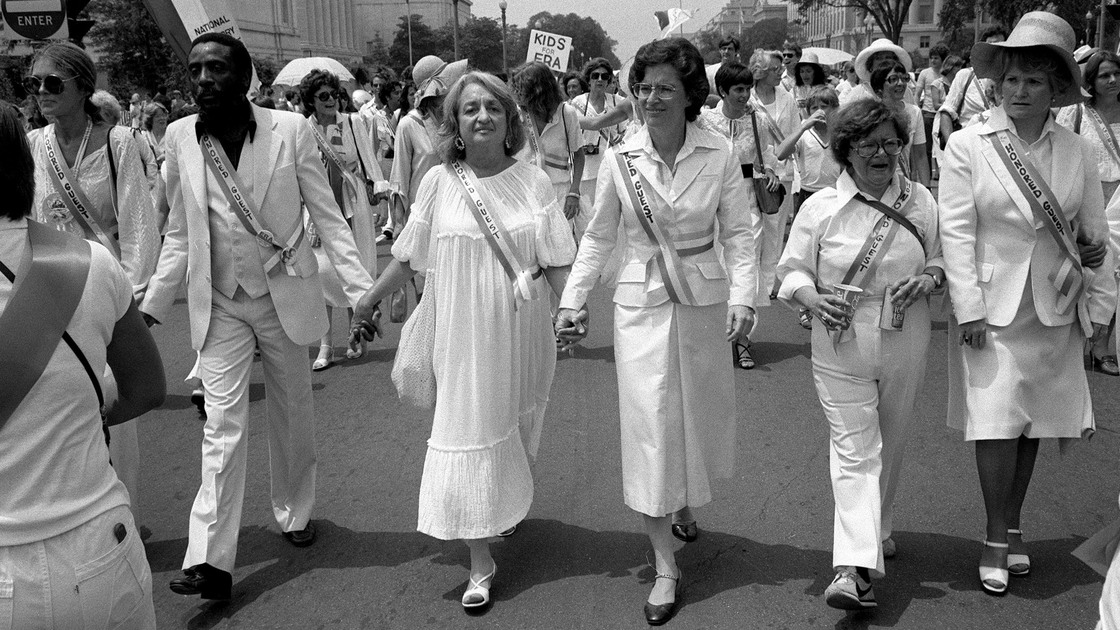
{"points": [[204, 580], [1106, 365]]}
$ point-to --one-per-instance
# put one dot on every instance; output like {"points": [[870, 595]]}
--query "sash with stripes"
{"points": [[283, 255], [669, 250], [541, 157], [878, 241], [1104, 132], [520, 273], [1067, 277], [355, 187], [74, 197]]}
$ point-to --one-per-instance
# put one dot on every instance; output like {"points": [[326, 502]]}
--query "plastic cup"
{"points": [[849, 294]]}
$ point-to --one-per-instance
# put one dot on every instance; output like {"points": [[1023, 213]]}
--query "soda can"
{"points": [[892, 316]]}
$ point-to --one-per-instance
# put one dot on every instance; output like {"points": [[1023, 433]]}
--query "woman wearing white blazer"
{"points": [[676, 305], [1016, 192]]}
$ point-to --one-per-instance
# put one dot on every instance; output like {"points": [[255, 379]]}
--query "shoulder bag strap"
{"points": [[760, 167], [881, 236], [113, 169], [41, 306], [361, 161], [964, 92], [520, 273]]}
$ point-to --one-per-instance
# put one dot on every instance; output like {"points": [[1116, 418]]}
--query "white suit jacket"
{"points": [[991, 239], [292, 173], [707, 191]]}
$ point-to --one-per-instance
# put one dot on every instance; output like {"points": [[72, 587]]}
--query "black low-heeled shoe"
{"points": [[686, 531], [205, 581], [1106, 365], [741, 355], [660, 614], [302, 537]]}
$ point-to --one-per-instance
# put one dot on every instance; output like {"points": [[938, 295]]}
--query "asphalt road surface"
{"points": [[763, 559]]}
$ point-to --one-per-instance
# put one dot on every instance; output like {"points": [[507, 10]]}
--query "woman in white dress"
{"points": [[890, 82], [1098, 121], [495, 353], [673, 313], [1012, 188], [346, 148]]}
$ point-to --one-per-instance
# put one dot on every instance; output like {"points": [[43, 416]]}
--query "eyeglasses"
{"points": [[52, 83], [895, 79], [868, 148], [326, 96], [788, 55], [605, 76], [663, 92]]}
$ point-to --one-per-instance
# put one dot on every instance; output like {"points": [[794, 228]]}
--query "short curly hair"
{"points": [[596, 64], [310, 85], [449, 129], [856, 120], [683, 56]]}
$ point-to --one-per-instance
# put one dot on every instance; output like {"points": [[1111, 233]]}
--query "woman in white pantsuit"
{"points": [[676, 305], [877, 231], [1016, 191]]}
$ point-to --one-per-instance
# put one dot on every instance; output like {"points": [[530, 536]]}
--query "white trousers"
{"points": [[867, 387], [1110, 597], [237, 326], [771, 245], [83, 579]]}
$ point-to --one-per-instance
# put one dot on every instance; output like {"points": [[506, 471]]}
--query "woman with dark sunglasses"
{"points": [[90, 181], [890, 83], [598, 74], [349, 155]]}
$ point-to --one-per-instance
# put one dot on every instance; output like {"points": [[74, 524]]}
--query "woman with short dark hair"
{"points": [[889, 82], [64, 507], [495, 353], [598, 74], [573, 84], [862, 257], [1020, 197], [678, 302]]}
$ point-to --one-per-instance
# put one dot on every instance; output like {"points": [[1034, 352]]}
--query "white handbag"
{"points": [[413, 370]]}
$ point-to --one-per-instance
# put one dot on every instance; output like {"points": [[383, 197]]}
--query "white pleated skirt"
{"points": [[676, 398]]}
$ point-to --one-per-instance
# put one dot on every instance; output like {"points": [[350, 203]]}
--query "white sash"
{"points": [[66, 185], [357, 188], [283, 256], [1104, 132], [1067, 278], [878, 241], [517, 268]]}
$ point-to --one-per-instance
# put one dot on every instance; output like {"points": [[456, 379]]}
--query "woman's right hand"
{"points": [[833, 311], [570, 327], [366, 323], [974, 334], [772, 181]]}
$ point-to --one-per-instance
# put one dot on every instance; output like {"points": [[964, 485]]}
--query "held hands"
{"points": [[571, 208], [974, 333], [909, 290], [570, 327], [1092, 253], [366, 323], [740, 321]]}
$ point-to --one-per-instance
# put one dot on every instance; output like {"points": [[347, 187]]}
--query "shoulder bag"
{"points": [[769, 202]]}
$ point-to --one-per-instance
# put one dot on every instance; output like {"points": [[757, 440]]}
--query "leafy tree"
{"points": [[889, 15], [133, 51], [589, 40], [266, 69], [955, 14], [766, 34], [425, 41], [480, 42]]}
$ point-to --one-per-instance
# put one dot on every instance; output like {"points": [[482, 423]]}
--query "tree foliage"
{"points": [[889, 15], [132, 51], [956, 14], [589, 40], [766, 34]]}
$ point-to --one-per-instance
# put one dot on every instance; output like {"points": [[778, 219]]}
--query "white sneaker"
{"points": [[849, 591]]}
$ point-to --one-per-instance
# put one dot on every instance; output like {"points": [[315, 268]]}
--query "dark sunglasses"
{"points": [[600, 75], [788, 55], [326, 96], [52, 83]]}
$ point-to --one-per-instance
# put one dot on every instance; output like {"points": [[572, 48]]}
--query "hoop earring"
{"points": [[509, 145], [459, 143]]}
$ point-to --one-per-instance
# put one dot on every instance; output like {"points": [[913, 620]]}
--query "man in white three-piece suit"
{"points": [[236, 177]]}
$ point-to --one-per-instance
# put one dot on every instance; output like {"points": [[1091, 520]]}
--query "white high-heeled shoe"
{"points": [[994, 579], [1018, 564], [324, 360], [477, 594]]}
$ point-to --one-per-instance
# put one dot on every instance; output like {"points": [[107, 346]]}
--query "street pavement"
{"points": [[763, 559]]}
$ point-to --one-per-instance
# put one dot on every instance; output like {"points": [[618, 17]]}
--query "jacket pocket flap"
{"points": [[634, 272], [712, 270]]}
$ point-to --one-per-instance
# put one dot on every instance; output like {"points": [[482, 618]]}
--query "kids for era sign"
{"points": [[550, 49]]}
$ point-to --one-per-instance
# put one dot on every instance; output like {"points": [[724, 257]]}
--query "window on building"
{"points": [[923, 41], [285, 11], [925, 11]]}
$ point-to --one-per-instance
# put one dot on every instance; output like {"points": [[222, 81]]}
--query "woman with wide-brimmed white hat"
{"points": [[880, 52], [1022, 216]]}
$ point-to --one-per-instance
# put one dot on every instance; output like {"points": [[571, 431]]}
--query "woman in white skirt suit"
{"points": [[1015, 371], [673, 313]]}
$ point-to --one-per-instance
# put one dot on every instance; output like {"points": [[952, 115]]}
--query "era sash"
{"points": [[520, 273], [66, 185], [1104, 132], [42, 304], [1067, 277], [882, 235], [283, 255], [349, 179], [669, 252]]}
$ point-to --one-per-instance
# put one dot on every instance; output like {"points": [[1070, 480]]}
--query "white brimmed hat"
{"points": [[880, 45], [808, 59], [1036, 29], [434, 77]]}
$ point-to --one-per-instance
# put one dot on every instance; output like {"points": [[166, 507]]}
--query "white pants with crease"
{"points": [[237, 326], [867, 387], [771, 244]]}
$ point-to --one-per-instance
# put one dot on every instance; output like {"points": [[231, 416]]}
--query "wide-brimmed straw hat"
{"points": [[1036, 29], [880, 45], [808, 59], [434, 77]]}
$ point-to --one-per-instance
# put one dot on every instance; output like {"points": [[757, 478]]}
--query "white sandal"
{"points": [[477, 594], [1018, 564], [325, 359], [994, 579]]}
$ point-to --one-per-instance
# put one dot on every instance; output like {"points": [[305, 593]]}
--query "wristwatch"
{"points": [[936, 282]]}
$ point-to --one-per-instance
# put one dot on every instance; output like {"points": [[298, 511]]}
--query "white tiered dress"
{"points": [[494, 362]]}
